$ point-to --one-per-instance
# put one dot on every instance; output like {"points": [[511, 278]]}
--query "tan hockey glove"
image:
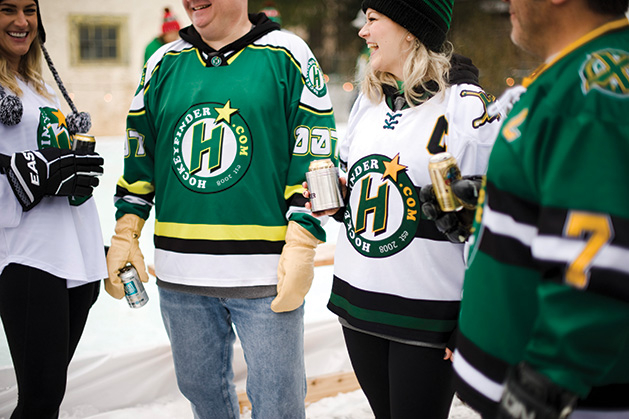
{"points": [[125, 248], [296, 268]]}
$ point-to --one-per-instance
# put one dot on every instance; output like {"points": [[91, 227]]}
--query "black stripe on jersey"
{"points": [[492, 367], [504, 202], [122, 192], [553, 221], [474, 399], [394, 316], [506, 249], [219, 247], [503, 248], [608, 282], [370, 300], [601, 281], [436, 338], [315, 110]]}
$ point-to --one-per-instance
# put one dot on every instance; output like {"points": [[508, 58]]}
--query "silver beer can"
{"points": [[324, 185], [134, 290]]}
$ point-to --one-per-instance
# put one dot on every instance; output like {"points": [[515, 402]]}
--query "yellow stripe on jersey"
{"points": [[138, 188], [219, 232], [292, 190], [233, 57], [253, 46], [307, 109]]}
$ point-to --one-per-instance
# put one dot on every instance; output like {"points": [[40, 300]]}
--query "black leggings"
{"points": [[43, 322], [401, 381]]}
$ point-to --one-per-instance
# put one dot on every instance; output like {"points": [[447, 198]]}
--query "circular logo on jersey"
{"points": [[216, 61], [315, 80], [211, 148], [382, 215]]}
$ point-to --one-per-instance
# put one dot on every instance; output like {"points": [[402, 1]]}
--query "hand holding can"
{"points": [[134, 290], [443, 171], [324, 185]]}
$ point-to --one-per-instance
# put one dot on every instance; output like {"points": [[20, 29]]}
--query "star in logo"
{"points": [[393, 167], [60, 117], [225, 113]]}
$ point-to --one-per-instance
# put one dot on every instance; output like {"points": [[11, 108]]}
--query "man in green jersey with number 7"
{"points": [[544, 325]]}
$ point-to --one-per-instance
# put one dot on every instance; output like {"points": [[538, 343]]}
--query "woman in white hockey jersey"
{"points": [[51, 246], [397, 279]]}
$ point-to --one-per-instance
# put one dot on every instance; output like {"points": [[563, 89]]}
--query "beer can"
{"points": [[134, 290], [443, 171], [324, 185], [83, 143]]}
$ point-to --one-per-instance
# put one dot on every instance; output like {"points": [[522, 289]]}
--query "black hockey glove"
{"points": [[530, 394], [50, 171], [455, 225]]}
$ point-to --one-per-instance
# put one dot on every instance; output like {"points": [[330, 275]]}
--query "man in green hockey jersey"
{"points": [[220, 134], [544, 325]]}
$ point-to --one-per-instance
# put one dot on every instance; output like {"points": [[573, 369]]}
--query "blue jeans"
{"points": [[202, 338]]}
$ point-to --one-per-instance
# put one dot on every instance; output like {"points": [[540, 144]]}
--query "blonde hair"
{"points": [[421, 67], [29, 70]]}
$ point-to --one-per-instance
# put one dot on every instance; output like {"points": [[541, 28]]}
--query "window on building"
{"points": [[98, 39]]}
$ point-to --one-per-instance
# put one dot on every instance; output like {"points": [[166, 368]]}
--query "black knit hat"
{"points": [[40, 25], [428, 20]]}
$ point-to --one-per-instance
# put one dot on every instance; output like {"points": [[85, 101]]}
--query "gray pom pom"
{"points": [[79, 123], [10, 110]]}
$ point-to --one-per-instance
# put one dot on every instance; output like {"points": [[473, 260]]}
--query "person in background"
{"points": [[270, 10], [51, 247], [170, 33], [397, 279], [544, 326], [221, 133]]}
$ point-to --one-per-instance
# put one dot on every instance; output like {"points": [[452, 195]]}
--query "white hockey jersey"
{"points": [[62, 239], [395, 274]]}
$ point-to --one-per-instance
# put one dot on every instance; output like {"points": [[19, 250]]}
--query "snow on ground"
{"points": [[344, 406]]}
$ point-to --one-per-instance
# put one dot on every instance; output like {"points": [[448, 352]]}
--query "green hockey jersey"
{"points": [[220, 141], [548, 275]]}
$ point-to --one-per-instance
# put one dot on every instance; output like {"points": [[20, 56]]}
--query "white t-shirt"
{"points": [[54, 236]]}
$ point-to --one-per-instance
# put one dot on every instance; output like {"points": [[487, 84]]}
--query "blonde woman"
{"points": [[51, 246], [397, 279]]}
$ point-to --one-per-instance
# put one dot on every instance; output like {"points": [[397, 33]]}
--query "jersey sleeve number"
{"points": [[139, 139], [315, 141], [598, 230], [436, 143]]}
